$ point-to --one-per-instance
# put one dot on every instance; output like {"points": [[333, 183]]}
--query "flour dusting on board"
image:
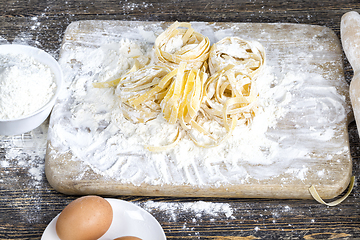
{"points": [[89, 124]]}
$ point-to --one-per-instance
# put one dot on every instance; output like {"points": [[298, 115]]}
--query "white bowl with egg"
{"points": [[29, 120]]}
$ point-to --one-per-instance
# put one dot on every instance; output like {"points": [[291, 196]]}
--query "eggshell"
{"points": [[128, 238], [86, 218]]}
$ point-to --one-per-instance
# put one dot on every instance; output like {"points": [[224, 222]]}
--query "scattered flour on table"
{"points": [[130, 6], [27, 152], [172, 210], [22, 169], [26, 85]]}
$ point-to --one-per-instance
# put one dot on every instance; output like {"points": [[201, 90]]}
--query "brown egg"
{"points": [[86, 218], [128, 238]]}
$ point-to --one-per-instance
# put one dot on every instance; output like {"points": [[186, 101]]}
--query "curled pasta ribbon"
{"points": [[180, 43], [230, 95], [140, 92], [317, 197], [247, 56]]}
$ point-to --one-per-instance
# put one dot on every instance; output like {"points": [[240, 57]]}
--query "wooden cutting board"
{"points": [[311, 135]]}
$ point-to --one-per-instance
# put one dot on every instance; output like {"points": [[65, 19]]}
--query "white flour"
{"points": [[26, 85]]}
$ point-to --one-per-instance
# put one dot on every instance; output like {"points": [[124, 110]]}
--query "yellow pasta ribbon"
{"points": [[317, 197], [138, 92]]}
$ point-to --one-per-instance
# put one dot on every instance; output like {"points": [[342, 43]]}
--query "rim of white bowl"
{"points": [[50, 62]]}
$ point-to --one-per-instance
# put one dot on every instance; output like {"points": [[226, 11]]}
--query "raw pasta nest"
{"points": [[230, 94], [180, 43], [247, 56], [182, 90], [140, 93]]}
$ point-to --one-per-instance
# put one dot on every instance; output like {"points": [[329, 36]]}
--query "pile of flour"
{"points": [[26, 85]]}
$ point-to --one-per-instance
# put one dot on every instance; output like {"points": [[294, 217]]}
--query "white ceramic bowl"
{"points": [[29, 122]]}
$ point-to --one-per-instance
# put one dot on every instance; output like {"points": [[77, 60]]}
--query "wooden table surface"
{"points": [[28, 203]]}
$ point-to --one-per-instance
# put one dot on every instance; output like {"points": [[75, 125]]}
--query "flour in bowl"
{"points": [[26, 85]]}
